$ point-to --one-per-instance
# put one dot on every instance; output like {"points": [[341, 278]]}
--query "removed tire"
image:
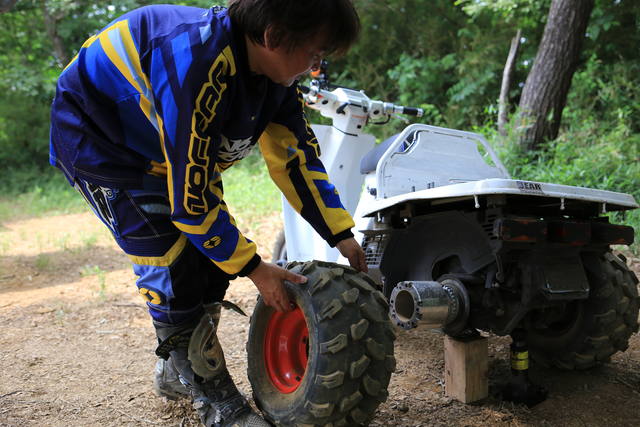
{"points": [[329, 361], [591, 330]]}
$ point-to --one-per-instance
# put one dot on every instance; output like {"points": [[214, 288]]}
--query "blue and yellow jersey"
{"points": [[165, 93]]}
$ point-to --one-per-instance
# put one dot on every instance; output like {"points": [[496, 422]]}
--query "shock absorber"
{"points": [[520, 389]]}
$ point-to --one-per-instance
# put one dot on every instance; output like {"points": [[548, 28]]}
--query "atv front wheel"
{"points": [[329, 361], [591, 330]]}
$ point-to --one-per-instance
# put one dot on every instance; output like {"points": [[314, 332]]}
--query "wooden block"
{"points": [[466, 369]]}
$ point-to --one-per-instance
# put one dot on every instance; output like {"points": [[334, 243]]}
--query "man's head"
{"points": [[292, 36]]}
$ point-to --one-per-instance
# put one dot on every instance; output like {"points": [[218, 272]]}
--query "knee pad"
{"points": [[205, 352], [172, 338], [173, 341]]}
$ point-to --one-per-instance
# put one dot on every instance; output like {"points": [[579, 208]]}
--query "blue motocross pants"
{"points": [[174, 277]]}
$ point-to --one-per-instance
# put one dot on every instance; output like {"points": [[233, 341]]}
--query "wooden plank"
{"points": [[466, 366]]}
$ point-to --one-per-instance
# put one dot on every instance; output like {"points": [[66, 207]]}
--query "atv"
{"points": [[453, 243]]}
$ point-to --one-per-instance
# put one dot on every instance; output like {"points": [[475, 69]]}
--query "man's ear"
{"points": [[268, 39]]}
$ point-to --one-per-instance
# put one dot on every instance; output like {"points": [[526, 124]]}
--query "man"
{"points": [[146, 118]]}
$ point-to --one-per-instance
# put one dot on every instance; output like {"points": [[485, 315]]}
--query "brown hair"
{"points": [[293, 22]]}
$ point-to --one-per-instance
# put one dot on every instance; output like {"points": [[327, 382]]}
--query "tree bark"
{"points": [[545, 91], [509, 66], [51, 26], [7, 5]]}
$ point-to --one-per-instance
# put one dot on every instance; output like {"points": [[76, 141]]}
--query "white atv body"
{"points": [[457, 244], [422, 164]]}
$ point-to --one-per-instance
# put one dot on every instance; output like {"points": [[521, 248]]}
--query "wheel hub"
{"points": [[286, 349]]}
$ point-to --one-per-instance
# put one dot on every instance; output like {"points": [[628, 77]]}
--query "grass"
{"points": [[95, 270], [4, 244], [249, 191], [35, 193], [90, 270], [42, 262], [63, 242], [61, 314], [586, 156], [30, 193], [89, 240]]}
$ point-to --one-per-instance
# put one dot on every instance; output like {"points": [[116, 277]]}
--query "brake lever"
{"points": [[404, 119]]}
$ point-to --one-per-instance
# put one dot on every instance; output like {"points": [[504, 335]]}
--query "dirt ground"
{"points": [[76, 347]]}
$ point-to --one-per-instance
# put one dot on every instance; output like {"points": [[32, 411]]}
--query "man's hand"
{"points": [[351, 250], [269, 279]]}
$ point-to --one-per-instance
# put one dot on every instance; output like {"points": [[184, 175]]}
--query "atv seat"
{"points": [[431, 157], [370, 160]]}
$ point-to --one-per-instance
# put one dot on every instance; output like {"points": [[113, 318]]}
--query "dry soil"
{"points": [[76, 347]]}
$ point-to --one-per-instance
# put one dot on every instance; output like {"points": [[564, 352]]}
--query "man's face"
{"points": [[286, 66]]}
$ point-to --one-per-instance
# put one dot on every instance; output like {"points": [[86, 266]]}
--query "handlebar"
{"points": [[304, 89], [412, 111], [337, 100]]}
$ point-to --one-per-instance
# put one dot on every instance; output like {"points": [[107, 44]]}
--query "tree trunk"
{"points": [[51, 26], [6, 5], [509, 66], [545, 91]]}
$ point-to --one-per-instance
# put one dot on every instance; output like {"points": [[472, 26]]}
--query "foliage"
{"points": [[444, 56], [424, 76], [599, 143], [391, 27], [261, 199], [32, 192], [24, 134], [31, 60]]}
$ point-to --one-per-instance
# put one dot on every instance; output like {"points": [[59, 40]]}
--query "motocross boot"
{"points": [[197, 357], [166, 381], [219, 403]]}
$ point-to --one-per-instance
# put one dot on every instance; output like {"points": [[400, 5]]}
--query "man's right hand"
{"points": [[269, 279]]}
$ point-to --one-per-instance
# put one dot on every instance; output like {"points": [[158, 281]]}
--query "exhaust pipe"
{"points": [[434, 305]]}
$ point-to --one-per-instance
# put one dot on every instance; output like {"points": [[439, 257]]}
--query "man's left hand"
{"points": [[351, 250]]}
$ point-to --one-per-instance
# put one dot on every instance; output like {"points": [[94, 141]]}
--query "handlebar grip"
{"points": [[412, 111]]}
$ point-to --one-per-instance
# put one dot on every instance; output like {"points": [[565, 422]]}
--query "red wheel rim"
{"points": [[286, 348]]}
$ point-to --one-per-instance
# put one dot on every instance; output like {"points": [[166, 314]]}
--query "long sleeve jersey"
{"points": [[166, 91]]}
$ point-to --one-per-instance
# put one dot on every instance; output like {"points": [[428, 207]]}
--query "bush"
{"points": [[43, 190], [599, 142], [591, 156], [36, 191]]}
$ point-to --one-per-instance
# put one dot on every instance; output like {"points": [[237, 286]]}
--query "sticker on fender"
{"points": [[530, 187]]}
